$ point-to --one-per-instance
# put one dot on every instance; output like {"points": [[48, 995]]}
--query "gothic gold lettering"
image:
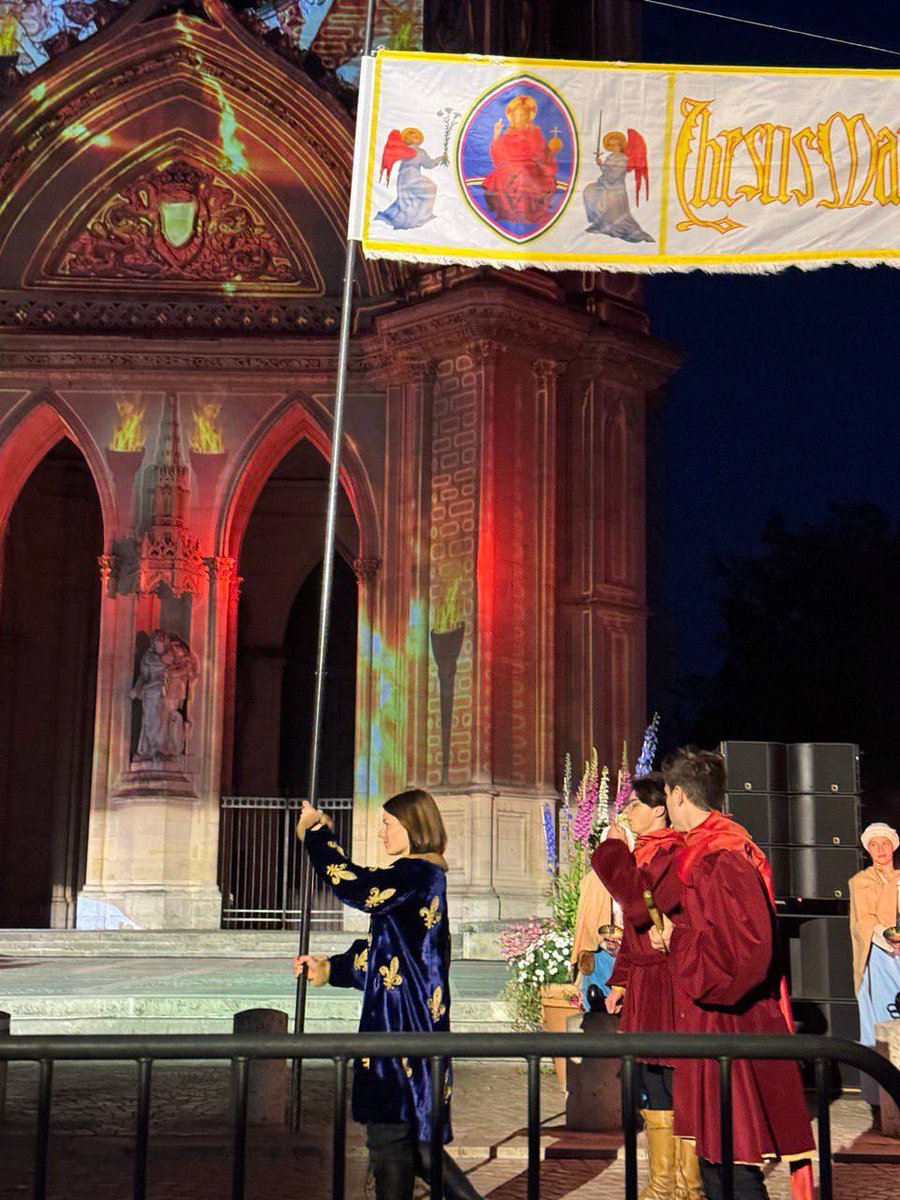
{"points": [[886, 172], [861, 166]]}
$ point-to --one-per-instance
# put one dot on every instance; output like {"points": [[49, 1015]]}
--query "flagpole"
{"points": [[334, 483]]}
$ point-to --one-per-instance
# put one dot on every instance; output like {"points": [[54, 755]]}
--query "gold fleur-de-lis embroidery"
{"points": [[406, 1067], [448, 1091], [361, 960], [438, 1009], [338, 871], [366, 1062], [391, 975], [336, 846], [376, 897], [431, 914]]}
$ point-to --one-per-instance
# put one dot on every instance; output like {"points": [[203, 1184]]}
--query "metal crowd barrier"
{"points": [[532, 1048]]}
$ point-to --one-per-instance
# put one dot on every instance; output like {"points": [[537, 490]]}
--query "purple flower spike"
{"points": [[550, 839], [648, 750]]}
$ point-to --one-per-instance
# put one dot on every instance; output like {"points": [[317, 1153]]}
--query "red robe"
{"points": [[649, 1005], [726, 980], [520, 188]]}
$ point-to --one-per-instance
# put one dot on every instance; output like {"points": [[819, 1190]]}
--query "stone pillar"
{"points": [[602, 609], [267, 1092], [460, 647], [4, 1032], [491, 621], [153, 836], [523, 468]]}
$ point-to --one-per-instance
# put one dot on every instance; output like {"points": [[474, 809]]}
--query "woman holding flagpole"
{"points": [[402, 969]]}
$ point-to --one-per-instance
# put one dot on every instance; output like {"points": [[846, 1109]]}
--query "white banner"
{"points": [[588, 166]]}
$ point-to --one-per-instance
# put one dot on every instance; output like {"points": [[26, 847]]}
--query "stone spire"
{"points": [[168, 555], [170, 484]]}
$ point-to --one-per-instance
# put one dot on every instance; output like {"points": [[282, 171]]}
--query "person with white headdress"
{"points": [[874, 918]]}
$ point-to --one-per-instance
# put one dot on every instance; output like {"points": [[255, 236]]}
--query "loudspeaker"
{"points": [[823, 767], [780, 861], [755, 766], [837, 1019], [824, 820], [822, 872], [766, 817], [826, 959]]}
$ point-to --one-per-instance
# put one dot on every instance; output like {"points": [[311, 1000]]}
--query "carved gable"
{"points": [[184, 222]]}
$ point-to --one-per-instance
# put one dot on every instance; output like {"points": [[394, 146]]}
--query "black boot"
{"points": [[749, 1183], [595, 998], [392, 1158], [456, 1182]]}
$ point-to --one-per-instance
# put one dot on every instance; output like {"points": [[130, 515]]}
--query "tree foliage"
{"points": [[810, 640]]}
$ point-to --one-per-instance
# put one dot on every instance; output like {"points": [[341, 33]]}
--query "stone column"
{"points": [[460, 600], [153, 837], [602, 613]]}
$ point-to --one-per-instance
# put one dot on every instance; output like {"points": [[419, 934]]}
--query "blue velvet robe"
{"points": [[402, 969]]}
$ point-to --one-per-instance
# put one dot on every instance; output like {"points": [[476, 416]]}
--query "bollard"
{"points": [[594, 1099], [268, 1088], [4, 1032]]}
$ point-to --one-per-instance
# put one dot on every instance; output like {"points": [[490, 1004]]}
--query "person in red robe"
{"points": [[521, 187], [721, 952], [641, 982]]}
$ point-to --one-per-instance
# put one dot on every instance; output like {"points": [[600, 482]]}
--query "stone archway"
{"points": [[49, 634], [280, 548], [273, 672]]}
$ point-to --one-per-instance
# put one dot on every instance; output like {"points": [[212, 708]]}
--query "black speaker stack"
{"points": [[801, 805]]}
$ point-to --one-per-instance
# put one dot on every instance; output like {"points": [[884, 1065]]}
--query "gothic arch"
{"points": [[296, 418], [29, 432], [146, 77]]}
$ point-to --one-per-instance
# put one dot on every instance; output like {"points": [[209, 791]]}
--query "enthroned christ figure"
{"points": [[521, 187]]}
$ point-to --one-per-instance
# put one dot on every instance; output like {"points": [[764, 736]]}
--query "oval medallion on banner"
{"points": [[517, 157]]}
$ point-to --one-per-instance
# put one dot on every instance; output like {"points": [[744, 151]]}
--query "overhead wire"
{"points": [[819, 37]]}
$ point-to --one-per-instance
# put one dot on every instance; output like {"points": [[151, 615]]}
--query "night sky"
{"points": [[788, 395]]}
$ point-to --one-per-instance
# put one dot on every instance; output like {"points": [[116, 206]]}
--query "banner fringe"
{"points": [[651, 267]]}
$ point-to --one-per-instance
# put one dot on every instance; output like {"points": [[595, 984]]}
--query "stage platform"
{"points": [[140, 982]]}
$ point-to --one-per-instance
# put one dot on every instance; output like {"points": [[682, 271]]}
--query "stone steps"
{"points": [[130, 993], [471, 942], [212, 1014], [152, 943]]}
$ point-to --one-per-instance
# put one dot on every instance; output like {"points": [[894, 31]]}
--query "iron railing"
{"points": [[241, 1051], [262, 874]]}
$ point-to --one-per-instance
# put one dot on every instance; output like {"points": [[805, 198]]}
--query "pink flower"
{"points": [[516, 939]]}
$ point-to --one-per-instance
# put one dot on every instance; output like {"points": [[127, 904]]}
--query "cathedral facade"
{"points": [[173, 197]]}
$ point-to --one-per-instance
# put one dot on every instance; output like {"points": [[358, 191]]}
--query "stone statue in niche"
{"points": [[168, 667]]}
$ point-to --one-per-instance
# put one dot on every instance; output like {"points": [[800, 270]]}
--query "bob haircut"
{"points": [[650, 789], [421, 818]]}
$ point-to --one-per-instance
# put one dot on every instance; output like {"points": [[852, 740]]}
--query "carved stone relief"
{"points": [[181, 222]]}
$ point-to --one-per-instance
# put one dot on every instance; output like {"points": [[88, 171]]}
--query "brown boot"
{"points": [[688, 1183], [661, 1144]]}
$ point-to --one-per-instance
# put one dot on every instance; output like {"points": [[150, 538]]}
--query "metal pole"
{"points": [[334, 483]]}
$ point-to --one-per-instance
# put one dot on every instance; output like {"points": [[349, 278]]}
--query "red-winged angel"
{"points": [[606, 200]]}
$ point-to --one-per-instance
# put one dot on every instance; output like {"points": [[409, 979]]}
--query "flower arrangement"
{"points": [[539, 951]]}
